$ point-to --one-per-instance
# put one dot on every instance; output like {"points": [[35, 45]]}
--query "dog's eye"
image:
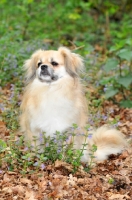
{"points": [[39, 63], [54, 63]]}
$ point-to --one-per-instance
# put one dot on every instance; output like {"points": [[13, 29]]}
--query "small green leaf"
{"points": [[126, 103], [110, 92], [74, 16], [111, 64], [75, 126], [125, 54], [111, 181], [94, 148], [30, 1], [2, 145], [129, 41], [105, 81], [125, 80]]}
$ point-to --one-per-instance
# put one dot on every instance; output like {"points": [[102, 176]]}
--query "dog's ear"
{"points": [[73, 62], [30, 66]]}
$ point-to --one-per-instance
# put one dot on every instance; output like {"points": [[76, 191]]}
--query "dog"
{"points": [[54, 100]]}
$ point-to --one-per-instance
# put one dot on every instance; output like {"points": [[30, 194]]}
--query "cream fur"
{"points": [[55, 105]]}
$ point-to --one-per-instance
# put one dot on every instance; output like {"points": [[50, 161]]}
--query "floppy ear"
{"points": [[30, 66], [73, 62]]}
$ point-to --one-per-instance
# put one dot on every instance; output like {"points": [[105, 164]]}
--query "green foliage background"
{"points": [[102, 28]]}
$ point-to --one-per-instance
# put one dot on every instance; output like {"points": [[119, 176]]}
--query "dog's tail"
{"points": [[108, 141]]}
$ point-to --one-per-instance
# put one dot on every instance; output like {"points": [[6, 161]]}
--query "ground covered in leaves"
{"points": [[110, 180]]}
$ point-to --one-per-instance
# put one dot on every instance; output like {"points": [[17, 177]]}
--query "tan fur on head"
{"points": [[73, 62], [30, 66]]}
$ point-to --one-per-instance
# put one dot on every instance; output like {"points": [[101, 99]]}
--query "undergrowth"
{"points": [[17, 155]]}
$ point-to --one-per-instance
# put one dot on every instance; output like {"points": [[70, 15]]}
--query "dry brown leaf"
{"points": [[3, 128], [18, 189], [11, 173], [30, 195], [26, 181], [124, 154], [72, 180], [118, 197], [6, 178], [7, 190], [59, 163]]}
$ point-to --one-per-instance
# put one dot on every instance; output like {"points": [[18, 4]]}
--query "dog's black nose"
{"points": [[43, 67]]}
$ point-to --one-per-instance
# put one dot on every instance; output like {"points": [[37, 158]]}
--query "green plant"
{"points": [[59, 147], [119, 68], [111, 181]]}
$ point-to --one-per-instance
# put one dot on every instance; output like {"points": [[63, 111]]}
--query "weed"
{"points": [[15, 152]]}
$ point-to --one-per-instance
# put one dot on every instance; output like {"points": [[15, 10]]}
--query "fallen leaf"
{"points": [[26, 181], [30, 195], [118, 197], [18, 189]]}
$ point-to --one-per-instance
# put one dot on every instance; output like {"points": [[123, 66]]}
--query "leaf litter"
{"points": [[109, 180]]}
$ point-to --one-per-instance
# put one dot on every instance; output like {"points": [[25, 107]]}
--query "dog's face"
{"points": [[50, 66]]}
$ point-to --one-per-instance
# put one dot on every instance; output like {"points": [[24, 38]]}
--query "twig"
{"points": [[75, 47]]}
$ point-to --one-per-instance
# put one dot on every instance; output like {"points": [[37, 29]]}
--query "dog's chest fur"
{"points": [[56, 110]]}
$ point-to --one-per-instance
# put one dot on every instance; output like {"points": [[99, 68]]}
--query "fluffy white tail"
{"points": [[108, 141]]}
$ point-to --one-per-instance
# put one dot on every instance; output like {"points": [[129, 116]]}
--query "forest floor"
{"points": [[109, 180]]}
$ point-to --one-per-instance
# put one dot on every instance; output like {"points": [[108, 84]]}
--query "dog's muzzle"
{"points": [[44, 70], [47, 74]]}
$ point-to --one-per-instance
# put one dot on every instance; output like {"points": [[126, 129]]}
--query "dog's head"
{"points": [[50, 66]]}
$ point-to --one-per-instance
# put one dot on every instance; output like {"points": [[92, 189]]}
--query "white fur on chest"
{"points": [[55, 113]]}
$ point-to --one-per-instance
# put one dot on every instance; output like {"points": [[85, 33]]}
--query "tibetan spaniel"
{"points": [[54, 100]]}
